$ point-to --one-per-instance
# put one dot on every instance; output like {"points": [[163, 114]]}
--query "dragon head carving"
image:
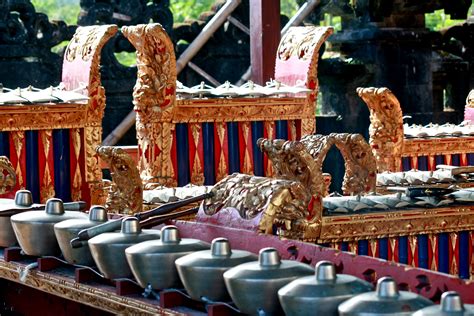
{"points": [[126, 191], [7, 175], [269, 204]]}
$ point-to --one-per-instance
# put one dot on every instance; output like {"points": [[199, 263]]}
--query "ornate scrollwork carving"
{"points": [[279, 203], [302, 161], [155, 89], [126, 191], [361, 168], [292, 161], [154, 98], [301, 42], [386, 127], [470, 99], [7, 175]]}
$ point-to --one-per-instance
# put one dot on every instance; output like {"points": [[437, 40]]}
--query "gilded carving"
{"points": [[18, 142], [47, 187], [81, 44], [392, 224], [84, 50], [77, 177], [240, 109], [7, 175], [155, 89], [274, 202], [359, 162], [301, 42], [386, 127], [222, 161], [292, 161], [302, 161], [126, 192], [197, 175], [155, 102], [446, 146], [154, 96]]}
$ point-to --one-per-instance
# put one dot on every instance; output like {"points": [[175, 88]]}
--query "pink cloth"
{"points": [[469, 114], [76, 73], [292, 71]]}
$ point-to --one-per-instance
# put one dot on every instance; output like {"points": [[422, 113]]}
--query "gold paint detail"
{"points": [[18, 139], [64, 287], [7, 175], [386, 127], [125, 192], [275, 202], [47, 187], [303, 160]]}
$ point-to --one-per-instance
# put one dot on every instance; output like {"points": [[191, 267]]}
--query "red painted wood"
{"points": [[172, 298], [425, 282], [127, 287], [264, 38], [48, 264], [13, 254], [174, 156], [221, 310]]}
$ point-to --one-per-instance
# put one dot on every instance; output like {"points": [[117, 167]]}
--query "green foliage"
{"points": [[289, 7], [189, 9], [65, 10], [126, 58], [439, 20]]}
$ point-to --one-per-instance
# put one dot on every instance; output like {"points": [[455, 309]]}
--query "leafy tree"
{"points": [[65, 10]]}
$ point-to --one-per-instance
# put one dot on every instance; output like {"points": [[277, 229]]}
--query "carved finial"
{"points": [[7, 175], [126, 191], [386, 127]]}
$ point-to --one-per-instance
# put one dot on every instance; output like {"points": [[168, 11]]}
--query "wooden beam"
{"points": [[264, 38]]}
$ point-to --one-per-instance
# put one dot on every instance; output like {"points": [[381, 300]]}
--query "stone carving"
{"points": [[386, 127], [125, 192], [302, 161], [26, 39], [7, 175], [284, 204]]}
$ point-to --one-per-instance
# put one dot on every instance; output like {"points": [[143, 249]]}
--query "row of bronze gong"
{"points": [[160, 259]]}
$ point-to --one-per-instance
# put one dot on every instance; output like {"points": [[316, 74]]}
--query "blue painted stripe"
{"points": [[403, 249], [423, 255], [344, 246], [422, 163], [62, 177], [470, 159], [281, 129], [383, 248], [257, 132], [182, 154], [439, 160], [4, 144], [443, 252], [363, 247], [233, 143], [464, 258], [406, 163], [208, 148], [32, 164], [456, 159]]}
